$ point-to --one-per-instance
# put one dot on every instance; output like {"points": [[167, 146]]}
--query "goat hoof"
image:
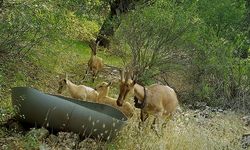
{"points": [[157, 132]]}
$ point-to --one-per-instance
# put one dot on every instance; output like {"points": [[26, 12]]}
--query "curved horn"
{"points": [[122, 74], [129, 75], [126, 76]]}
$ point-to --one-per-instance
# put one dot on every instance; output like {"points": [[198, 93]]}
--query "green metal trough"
{"points": [[60, 113]]}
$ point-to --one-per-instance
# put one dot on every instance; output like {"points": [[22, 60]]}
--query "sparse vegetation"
{"points": [[201, 48], [222, 131]]}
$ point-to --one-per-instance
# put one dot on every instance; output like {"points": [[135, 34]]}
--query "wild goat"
{"points": [[77, 91], [157, 100], [95, 63], [103, 90]]}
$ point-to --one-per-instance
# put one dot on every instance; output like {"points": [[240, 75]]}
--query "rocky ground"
{"points": [[16, 134]]}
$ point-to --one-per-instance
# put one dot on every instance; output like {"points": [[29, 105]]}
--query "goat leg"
{"points": [[157, 124], [83, 97], [93, 77], [166, 119], [95, 73], [86, 73], [144, 116]]}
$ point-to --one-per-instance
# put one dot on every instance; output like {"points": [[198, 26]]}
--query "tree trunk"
{"points": [[112, 22]]}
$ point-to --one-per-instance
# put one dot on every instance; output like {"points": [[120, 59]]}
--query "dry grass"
{"points": [[185, 132]]}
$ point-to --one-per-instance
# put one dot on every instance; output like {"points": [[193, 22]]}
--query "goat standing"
{"points": [[157, 100], [95, 63], [103, 90], [77, 91]]}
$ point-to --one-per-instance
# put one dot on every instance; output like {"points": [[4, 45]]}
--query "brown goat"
{"points": [[103, 90], [95, 63], [77, 91], [157, 100]]}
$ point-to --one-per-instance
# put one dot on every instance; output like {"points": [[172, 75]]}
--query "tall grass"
{"points": [[184, 132], [41, 70]]}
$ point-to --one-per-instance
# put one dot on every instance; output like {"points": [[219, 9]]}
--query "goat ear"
{"points": [[132, 76], [134, 82], [64, 80]]}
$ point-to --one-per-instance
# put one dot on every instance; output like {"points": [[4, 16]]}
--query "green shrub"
{"points": [[193, 40]]}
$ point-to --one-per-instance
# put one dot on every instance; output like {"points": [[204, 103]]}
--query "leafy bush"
{"points": [[153, 36], [26, 24], [193, 40]]}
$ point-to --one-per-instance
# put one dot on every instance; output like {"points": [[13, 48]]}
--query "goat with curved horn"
{"points": [[157, 100], [95, 63]]}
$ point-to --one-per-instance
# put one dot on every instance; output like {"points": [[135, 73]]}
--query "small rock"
{"points": [[246, 120], [43, 147], [14, 125], [200, 120], [205, 114], [214, 109], [115, 71], [41, 133], [88, 144], [245, 141], [200, 105], [68, 140], [52, 139], [220, 110], [190, 106]]}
